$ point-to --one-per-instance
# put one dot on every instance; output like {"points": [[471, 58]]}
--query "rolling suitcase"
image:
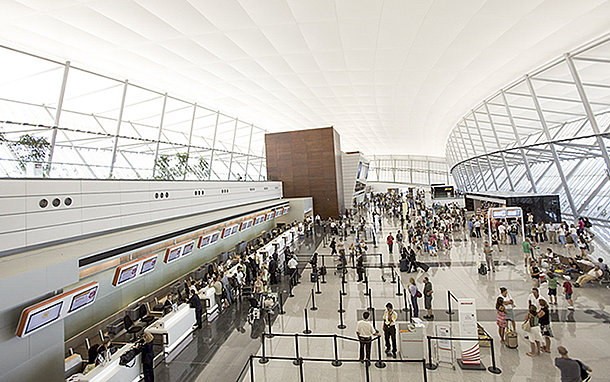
{"points": [[424, 267], [314, 277], [404, 265], [511, 340]]}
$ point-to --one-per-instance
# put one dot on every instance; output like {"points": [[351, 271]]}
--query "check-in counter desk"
{"points": [[112, 371], [212, 307], [175, 328]]}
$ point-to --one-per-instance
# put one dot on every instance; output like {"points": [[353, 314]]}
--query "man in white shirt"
{"points": [[389, 328], [509, 305], [551, 229], [292, 266], [593, 274], [533, 298], [365, 333]]}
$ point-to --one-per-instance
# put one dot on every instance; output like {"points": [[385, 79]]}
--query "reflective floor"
{"points": [[220, 351]]}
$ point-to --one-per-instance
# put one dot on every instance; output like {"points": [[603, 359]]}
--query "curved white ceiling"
{"points": [[392, 76]]}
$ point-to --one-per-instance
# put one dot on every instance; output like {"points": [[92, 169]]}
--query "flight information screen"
{"points": [[43, 317], [83, 299]]}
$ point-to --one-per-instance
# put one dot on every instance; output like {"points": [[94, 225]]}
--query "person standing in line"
{"points": [[195, 302], [477, 228], [389, 329], [414, 294], [501, 318], [571, 369], [365, 333], [567, 292], [145, 347], [552, 285], [218, 293], [535, 336], [292, 267], [489, 256], [360, 267], [428, 298], [509, 305], [544, 319], [390, 242], [527, 252]]}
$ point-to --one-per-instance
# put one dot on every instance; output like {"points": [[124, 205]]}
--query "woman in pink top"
{"points": [[501, 318]]}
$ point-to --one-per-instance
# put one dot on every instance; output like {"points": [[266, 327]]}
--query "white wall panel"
{"points": [[99, 206]]}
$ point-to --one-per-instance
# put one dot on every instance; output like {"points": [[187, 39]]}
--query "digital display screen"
{"points": [[286, 209], [128, 274], [498, 214], [359, 170], [173, 254], [214, 237], [243, 226], [250, 223], [226, 232], [44, 317], [188, 248], [259, 219], [148, 265], [83, 299], [366, 172], [270, 215], [204, 240], [278, 212], [235, 229], [513, 213]]}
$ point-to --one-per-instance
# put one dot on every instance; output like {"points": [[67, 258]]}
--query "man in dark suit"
{"points": [[195, 302]]}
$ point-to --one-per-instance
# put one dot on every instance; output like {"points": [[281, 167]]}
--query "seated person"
{"points": [[593, 274]]}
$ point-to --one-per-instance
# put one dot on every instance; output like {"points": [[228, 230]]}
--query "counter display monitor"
{"points": [[83, 299], [204, 240], [278, 212], [173, 253], [243, 225], [235, 229], [148, 265], [214, 237], [359, 170], [188, 248], [270, 215], [513, 213], [226, 232], [128, 274], [259, 219], [38, 316], [498, 214], [43, 317], [250, 223], [286, 210]]}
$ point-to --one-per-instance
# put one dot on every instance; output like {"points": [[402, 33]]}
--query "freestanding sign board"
{"points": [[471, 353]]}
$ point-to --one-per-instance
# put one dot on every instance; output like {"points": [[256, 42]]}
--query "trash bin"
{"points": [[411, 340]]}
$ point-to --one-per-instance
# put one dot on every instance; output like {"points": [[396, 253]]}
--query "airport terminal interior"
{"points": [[289, 190]]}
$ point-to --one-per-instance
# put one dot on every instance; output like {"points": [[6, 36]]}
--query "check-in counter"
{"points": [[176, 328], [212, 307], [112, 371]]}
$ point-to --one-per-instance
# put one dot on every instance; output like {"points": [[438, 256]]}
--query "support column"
{"points": [[474, 151], [476, 123], [493, 129], [551, 146], [588, 111], [188, 148], [60, 103], [213, 146], [248, 153], [159, 134], [118, 129], [232, 149], [525, 161]]}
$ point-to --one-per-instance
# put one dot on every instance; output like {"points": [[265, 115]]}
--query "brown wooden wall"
{"points": [[307, 163]]}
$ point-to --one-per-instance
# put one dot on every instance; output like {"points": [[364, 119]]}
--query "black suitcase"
{"points": [[404, 265], [482, 269], [322, 270], [423, 266], [313, 277]]}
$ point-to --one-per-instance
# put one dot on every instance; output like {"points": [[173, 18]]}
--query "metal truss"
{"points": [[547, 132], [88, 125], [411, 169]]}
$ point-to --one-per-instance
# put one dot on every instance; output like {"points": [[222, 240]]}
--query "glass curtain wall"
{"points": [[412, 169], [61, 121], [547, 132]]}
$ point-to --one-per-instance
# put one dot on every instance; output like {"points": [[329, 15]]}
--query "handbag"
{"points": [[419, 294], [526, 326], [128, 357]]}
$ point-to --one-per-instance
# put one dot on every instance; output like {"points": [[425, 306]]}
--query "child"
{"points": [[552, 283], [567, 290]]}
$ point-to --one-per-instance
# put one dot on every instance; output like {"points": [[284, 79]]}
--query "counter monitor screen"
{"points": [[83, 299], [278, 212], [235, 229], [259, 219], [148, 265], [188, 248], [214, 238], [173, 254], [44, 317], [243, 226], [226, 232], [270, 215], [128, 274], [205, 240]]}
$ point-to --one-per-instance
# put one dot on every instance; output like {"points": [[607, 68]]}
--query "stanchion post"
{"points": [[343, 292], [398, 291], [290, 287], [313, 301], [366, 284], [423, 364], [298, 359], [281, 297], [301, 371], [336, 362], [449, 311], [251, 368], [430, 365], [263, 360], [493, 368], [370, 301], [306, 331], [270, 334], [341, 323], [404, 300], [379, 364], [393, 275], [367, 365], [318, 291], [323, 276], [341, 310]]}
